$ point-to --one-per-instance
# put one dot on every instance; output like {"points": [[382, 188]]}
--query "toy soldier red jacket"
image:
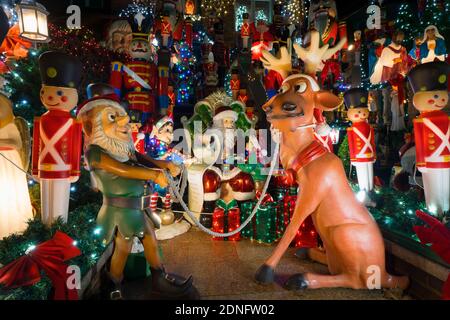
{"points": [[432, 137], [361, 142], [235, 84], [56, 146]]}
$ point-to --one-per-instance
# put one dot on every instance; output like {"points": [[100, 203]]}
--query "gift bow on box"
{"points": [[49, 256], [436, 233]]}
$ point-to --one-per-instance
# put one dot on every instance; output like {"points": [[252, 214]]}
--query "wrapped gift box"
{"points": [[226, 218]]}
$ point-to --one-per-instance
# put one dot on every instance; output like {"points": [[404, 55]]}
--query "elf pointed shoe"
{"points": [[296, 282], [113, 288], [169, 284]]}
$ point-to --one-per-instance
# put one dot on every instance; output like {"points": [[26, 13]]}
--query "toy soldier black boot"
{"points": [[169, 285]]}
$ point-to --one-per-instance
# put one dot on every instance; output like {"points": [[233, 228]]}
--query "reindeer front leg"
{"points": [[307, 203]]}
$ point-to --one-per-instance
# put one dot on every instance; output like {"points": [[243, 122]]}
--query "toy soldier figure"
{"points": [[360, 137], [166, 29], [235, 83], [245, 31], [57, 136], [432, 132]]}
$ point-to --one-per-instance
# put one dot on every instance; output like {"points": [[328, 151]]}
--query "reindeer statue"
{"points": [[353, 243]]}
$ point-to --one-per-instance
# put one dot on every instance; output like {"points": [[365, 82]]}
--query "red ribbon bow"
{"points": [[438, 235], [49, 256]]}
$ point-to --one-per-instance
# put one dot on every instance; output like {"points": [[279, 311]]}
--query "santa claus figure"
{"points": [[16, 208], [429, 82], [56, 135], [219, 149], [361, 139], [137, 81], [433, 46]]}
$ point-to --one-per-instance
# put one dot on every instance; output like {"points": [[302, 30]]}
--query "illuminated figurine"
{"points": [[433, 46], [243, 97], [15, 209], [56, 135], [122, 175], [432, 132], [166, 29], [352, 240], [137, 81], [235, 83], [361, 138], [246, 30], [159, 149]]}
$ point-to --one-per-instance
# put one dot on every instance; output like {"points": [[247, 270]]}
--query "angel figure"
{"points": [[15, 209]]}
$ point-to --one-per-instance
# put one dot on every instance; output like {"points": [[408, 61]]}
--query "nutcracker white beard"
{"points": [[120, 150]]}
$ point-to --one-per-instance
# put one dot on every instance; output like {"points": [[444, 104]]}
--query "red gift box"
{"points": [[227, 218]]}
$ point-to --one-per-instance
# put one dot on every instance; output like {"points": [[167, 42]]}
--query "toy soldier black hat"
{"points": [[356, 98], [4, 25], [245, 15], [235, 71], [218, 27], [431, 76], [59, 69]]}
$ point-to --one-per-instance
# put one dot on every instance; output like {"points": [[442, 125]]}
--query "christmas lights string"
{"points": [[172, 185]]}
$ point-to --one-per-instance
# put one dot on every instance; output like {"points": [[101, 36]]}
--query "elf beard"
{"points": [[120, 150]]}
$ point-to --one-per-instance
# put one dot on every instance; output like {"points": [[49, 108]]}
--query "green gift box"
{"points": [[263, 227]]}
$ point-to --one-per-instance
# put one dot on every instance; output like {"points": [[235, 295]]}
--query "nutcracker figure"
{"points": [[57, 136], [361, 139], [235, 83], [429, 83], [136, 81], [246, 31]]}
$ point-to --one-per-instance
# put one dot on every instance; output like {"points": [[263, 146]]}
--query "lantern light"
{"points": [[33, 21]]}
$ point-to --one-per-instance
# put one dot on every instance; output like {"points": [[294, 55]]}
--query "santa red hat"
{"points": [[224, 112]]}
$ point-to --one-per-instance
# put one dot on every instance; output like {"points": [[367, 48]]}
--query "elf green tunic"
{"points": [[129, 222]]}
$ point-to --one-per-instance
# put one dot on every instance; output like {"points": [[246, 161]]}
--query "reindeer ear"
{"points": [[326, 101]]}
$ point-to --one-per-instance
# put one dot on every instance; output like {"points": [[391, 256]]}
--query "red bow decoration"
{"points": [[438, 235], [49, 256], [14, 45]]}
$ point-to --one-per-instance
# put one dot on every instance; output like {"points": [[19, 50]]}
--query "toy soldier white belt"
{"points": [[367, 144], [49, 149]]}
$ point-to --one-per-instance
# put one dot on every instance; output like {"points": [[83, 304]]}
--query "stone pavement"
{"points": [[224, 270]]}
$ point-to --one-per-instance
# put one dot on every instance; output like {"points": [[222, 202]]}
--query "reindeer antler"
{"points": [[314, 55], [282, 63]]}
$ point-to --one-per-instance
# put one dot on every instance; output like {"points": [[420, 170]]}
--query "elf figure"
{"points": [[432, 132], [360, 137], [235, 83], [433, 46], [137, 80], [159, 149], [246, 31], [56, 135]]}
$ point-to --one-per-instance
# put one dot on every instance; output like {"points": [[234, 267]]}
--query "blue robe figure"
{"points": [[432, 49]]}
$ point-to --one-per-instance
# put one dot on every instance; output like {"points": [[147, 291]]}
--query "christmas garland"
{"points": [[81, 227]]}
